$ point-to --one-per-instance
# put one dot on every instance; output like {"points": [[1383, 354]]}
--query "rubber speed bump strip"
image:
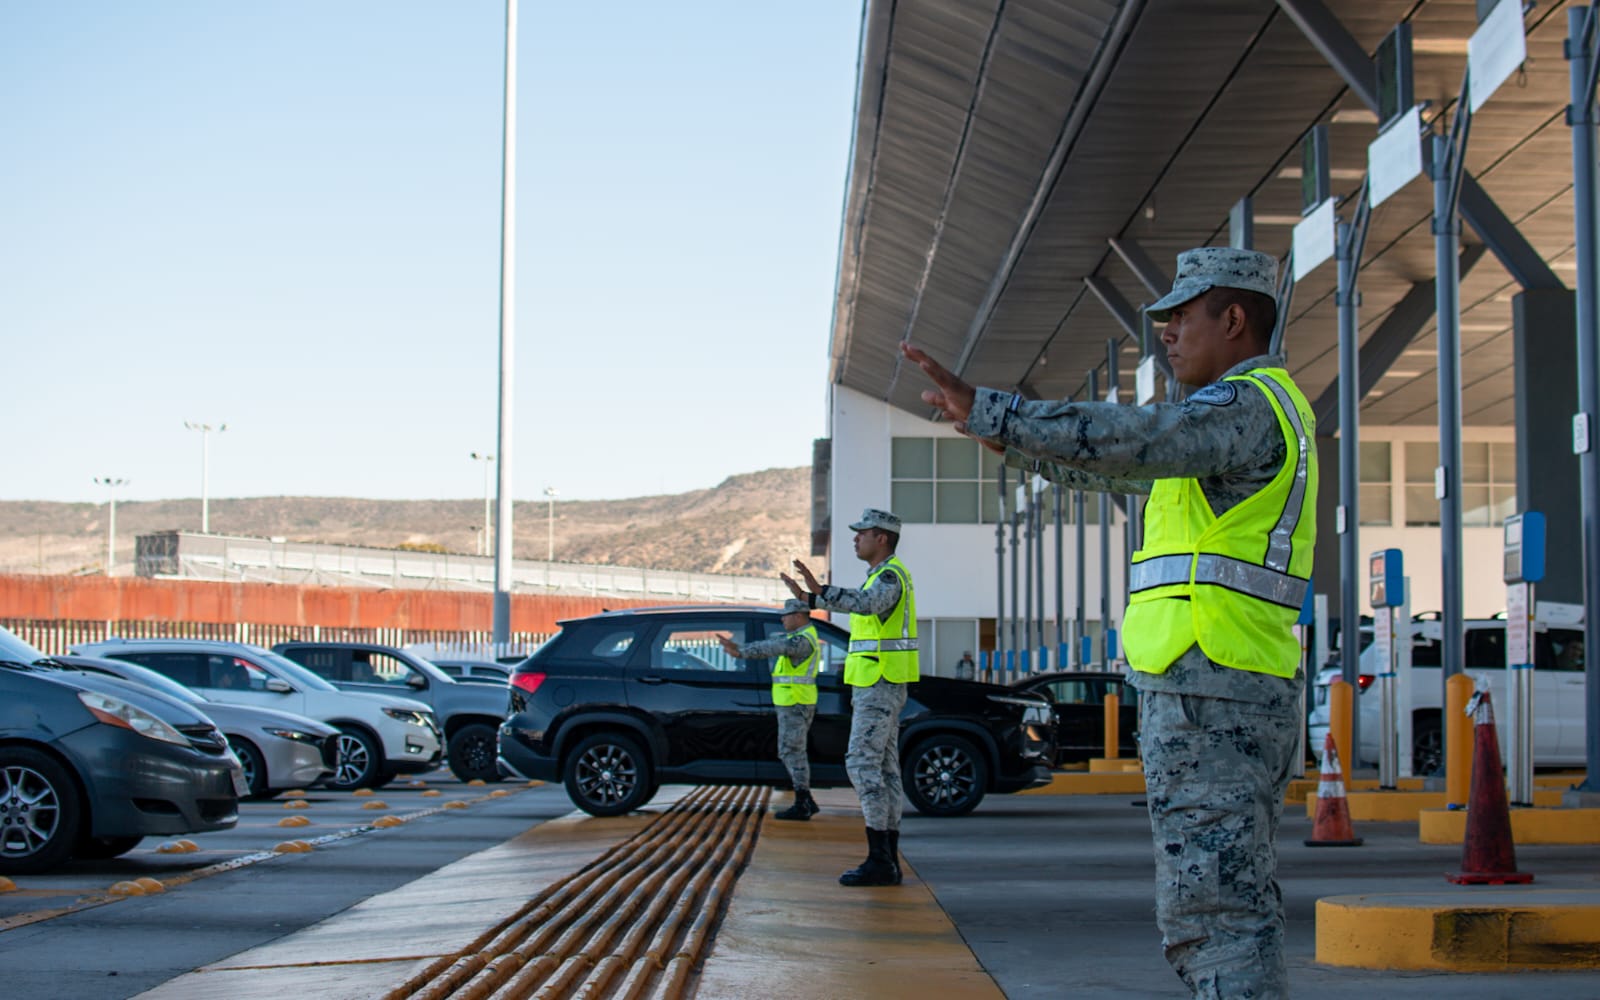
{"points": [[635, 922]]}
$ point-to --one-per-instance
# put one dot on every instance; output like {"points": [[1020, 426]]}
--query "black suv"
{"points": [[620, 703]]}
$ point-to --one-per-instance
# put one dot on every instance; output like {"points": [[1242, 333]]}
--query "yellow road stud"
{"points": [[6, 885], [297, 804], [362, 792], [498, 793], [384, 822], [295, 793], [294, 821], [150, 884], [431, 793], [292, 847], [455, 804], [477, 781], [126, 889], [178, 847], [375, 804]]}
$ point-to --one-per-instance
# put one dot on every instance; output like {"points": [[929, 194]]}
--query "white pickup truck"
{"points": [[1559, 690]]}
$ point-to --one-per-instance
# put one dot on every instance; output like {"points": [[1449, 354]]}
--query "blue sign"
{"points": [[1387, 588], [1524, 547], [1308, 615]]}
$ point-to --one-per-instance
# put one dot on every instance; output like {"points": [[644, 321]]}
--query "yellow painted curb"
{"points": [[294, 821], [297, 804], [1528, 826], [1404, 807], [375, 804], [6, 885], [1079, 783], [1115, 765], [1464, 931]]}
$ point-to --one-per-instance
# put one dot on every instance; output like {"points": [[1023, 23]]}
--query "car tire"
{"points": [[104, 848], [472, 752], [359, 761], [945, 775], [255, 767], [39, 811], [608, 774], [1427, 745]]}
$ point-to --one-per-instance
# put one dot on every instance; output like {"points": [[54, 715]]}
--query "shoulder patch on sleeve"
{"points": [[1216, 394]]}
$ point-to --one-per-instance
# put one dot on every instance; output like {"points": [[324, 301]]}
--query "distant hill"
{"points": [[751, 524]]}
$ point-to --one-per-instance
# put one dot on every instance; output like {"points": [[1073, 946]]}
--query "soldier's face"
{"points": [[869, 543], [1198, 343]]}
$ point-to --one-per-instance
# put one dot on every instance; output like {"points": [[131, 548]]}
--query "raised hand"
{"points": [[811, 581], [794, 588], [729, 646], [953, 397]]}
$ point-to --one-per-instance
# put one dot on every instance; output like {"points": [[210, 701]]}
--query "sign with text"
{"points": [[1313, 239]]}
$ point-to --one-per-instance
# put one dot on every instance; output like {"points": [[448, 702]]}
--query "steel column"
{"points": [[1447, 477]]}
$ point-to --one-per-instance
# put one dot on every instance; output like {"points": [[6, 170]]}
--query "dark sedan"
{"points": [[1077, 700], [620, 703], [91, 766]]}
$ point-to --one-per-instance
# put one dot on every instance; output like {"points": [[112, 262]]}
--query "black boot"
{"points": [[811, 804], [878, 869], [894, 853], [803, 807]]}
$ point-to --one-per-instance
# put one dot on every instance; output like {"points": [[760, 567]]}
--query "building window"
{"points": [[1488, 483], [943, 481], [1422, 507], [1377, 495]]}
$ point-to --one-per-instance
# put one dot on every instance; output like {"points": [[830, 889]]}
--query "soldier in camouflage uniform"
{"points": [[794, 694], [1214, 592], [882, 661]]}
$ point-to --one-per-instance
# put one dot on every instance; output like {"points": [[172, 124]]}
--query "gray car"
{"points": [[278, 750], [470, 714]]}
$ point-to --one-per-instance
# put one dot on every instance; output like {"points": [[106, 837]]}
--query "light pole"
{"points": [[477, 538], [488, 463], [111, 484], [205, 470], [550, 495]]}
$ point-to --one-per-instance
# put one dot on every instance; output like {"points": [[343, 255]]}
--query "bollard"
{"points": [[1457, 741], [1341, 701], [1113, 741]]}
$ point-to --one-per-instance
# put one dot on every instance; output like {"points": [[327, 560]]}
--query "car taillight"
{"points": [[528, 682], [1364, 681]]}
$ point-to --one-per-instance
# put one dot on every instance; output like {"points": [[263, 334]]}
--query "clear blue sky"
{"points": [[285, 217]]}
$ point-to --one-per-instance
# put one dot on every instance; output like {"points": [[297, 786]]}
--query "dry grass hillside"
{"points": [[750, 524]]}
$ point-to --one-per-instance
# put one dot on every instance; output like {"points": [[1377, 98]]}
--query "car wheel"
{"points": [[945, 776], [102, 848], [472, 753], [607, 774], [358, 763], [255, 768], [39, 814], [1427, 746]]}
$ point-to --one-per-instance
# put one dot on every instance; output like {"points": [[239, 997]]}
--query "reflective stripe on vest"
{"points": [[882, 645], [1234, 574]]}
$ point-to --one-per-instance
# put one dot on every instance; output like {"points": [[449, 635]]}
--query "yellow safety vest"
{"points": [[885, 649], [1235, 583], [796, 683]]}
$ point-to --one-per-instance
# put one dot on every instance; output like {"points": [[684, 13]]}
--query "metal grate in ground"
{"points": [[635, 923]]}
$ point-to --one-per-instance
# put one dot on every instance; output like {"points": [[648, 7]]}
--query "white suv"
{"points": [[1559, 691], [380, 735]]}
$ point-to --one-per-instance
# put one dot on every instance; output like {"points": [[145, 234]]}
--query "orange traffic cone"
{"points": [[1332, 826], [1488, 856]]}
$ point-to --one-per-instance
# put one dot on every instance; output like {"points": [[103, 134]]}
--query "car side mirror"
{"points": [[277, 686], [416, 681]]}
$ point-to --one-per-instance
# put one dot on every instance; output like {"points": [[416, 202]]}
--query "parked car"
{"points": [[469, 713], [620, 703], [476, 671], [89, 767], [1560, 690], [1077, 702], [277, 750], [380, 736]]}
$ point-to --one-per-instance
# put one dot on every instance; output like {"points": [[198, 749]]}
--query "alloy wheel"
{"points": [[606, 774], [30, 811], [945, 775]]}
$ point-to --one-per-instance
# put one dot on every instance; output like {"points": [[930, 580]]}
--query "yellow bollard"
{"points": [[1457, 740], [1113, 704], [1341, 698]]}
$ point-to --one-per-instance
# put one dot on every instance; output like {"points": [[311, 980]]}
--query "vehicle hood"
{"points": [[232, 718], [949, 687], [169, 710], [391, 701]]}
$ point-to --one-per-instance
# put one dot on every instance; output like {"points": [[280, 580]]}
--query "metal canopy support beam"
{"points": [[1242, 224], [1148, 272], [1352, 63], [1393, 335], [1125, 315]]}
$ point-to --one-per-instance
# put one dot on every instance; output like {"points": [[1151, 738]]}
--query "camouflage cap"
{"points": [[795, 606], [1206, 268], [872, 517]]}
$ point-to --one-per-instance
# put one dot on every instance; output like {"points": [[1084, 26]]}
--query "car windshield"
{"points": [[300, 675], [12, 647]]}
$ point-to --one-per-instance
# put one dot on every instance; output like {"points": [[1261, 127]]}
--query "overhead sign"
{"points": [[1313, 239], [1144, 380], [1495, 51], [1394, 158]]}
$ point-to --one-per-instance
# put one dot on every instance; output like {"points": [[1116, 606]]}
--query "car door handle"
{"points": [[652, 679]]}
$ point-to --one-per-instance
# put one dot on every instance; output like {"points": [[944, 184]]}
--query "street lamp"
{"points": [[550, 524], [205, 470], [477, 538], [111, 484], [488, 462]]}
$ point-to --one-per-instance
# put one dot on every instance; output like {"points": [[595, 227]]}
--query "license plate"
{"points": [[241, 788]]}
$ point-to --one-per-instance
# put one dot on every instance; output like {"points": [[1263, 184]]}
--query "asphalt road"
{"points": [[109, 950]]}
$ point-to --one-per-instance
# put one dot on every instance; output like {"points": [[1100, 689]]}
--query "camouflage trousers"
{"points": [[1215, 774], [873, 760], [794, 722]]}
